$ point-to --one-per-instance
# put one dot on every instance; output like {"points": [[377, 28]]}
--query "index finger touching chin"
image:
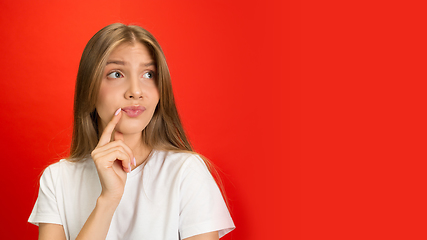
{"points": [[118, 135], [108, 130]]}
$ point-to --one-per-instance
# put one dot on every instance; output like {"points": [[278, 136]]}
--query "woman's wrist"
{"points": [[98, 223], [104, 203]]}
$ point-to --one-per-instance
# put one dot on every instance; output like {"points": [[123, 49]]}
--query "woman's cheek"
{"points": [[104, 105]]}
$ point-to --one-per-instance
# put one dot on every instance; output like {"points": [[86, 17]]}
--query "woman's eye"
{"points": [[115, 75], [148, 75]]}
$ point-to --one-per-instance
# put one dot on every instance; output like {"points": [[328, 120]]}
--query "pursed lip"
{"points": [[133, 111]]}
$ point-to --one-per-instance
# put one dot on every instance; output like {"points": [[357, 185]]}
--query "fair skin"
{"points": [[126, 103]]}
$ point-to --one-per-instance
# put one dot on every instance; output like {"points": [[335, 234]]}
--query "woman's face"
{"points": [[128, 82]]}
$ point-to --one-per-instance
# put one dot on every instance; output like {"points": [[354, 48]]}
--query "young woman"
{"points": [[131, 173]]}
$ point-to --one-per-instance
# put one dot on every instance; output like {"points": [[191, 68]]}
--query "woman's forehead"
{"points": [[127, 53]]}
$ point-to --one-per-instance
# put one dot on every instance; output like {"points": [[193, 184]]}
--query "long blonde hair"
{"points": [[164, 131]]}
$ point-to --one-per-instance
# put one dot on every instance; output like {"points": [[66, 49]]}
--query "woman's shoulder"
{"points": [[67, 165], [174, 155], [179, 160]]}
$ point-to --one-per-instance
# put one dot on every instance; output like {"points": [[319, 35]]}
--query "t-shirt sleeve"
{"points": [[46, 208], [202, 207]]}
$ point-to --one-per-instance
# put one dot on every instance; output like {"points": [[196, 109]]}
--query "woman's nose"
{"points": [[134, 91]]}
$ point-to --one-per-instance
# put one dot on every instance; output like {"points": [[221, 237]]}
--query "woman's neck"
{"points": [[139, 149]]}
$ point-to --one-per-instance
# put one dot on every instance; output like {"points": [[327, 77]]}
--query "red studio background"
{"points": [[314, 111]]}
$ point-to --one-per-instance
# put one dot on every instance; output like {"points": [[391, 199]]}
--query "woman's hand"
{"points": [[112, 159]]}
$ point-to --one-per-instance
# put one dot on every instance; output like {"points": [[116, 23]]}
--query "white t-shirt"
{"points": [[172, 197]]}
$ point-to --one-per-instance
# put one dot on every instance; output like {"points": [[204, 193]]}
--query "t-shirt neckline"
{"points": [[138, 169]]}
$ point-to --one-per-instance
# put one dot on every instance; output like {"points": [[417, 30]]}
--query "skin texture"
{"points": [[128, 80]]}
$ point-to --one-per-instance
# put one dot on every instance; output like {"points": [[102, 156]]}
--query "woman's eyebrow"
{"points": [[148, 64], [116, 62]]}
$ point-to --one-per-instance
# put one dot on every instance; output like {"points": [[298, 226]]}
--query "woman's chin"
{"points": [[129, 129]]}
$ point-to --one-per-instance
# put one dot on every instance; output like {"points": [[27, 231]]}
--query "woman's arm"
{"points": [[205, 236], [112, 176], [96, 226], [98, 223], [50, 231]]}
